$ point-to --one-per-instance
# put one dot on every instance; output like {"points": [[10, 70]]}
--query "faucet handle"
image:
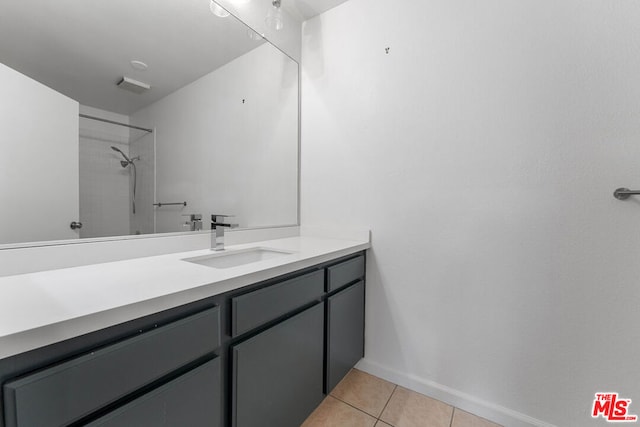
{"points": [[219, 220], [194, 217], [215, 216]]}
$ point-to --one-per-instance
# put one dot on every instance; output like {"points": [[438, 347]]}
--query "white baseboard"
{"points": [[490, 411]]}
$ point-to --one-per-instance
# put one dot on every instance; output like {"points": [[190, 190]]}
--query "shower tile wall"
{"points": [[143, 145], [104, 183]]}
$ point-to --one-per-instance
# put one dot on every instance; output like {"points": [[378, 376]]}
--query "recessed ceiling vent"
{"points": [[133, 85]]}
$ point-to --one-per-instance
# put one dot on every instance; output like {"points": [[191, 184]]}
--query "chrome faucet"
{"points": [[194, 222], [217, 231]]}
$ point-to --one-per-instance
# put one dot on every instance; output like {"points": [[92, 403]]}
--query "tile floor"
{"points": [[362, 400]]}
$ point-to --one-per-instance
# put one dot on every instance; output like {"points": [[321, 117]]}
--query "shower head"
{"points": [[131, 162], [123, 155]]}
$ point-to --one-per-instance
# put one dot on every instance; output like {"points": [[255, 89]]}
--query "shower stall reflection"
{"points": [[116, 176], [125, 164]]}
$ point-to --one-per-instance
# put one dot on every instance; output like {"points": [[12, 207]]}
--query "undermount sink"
{"points": [[228, 259]]}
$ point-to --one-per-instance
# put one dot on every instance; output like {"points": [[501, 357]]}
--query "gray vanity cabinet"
{"points": [[278, 374], [345, 332], [260, 356], [74, 389]]}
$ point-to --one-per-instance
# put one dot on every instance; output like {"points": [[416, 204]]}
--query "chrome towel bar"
{"points": [[625, 193], [170, 204]]}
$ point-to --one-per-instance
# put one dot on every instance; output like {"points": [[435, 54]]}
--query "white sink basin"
{"points": [[228, 259]]}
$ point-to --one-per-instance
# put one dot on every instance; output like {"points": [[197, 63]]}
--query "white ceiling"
{"points": [[82, 48], [306, 9]]}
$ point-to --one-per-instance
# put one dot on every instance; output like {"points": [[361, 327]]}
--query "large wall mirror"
{"points": [[129, 116]]}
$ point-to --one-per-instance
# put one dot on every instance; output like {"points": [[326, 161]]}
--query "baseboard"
{"points": [[496, 413]]}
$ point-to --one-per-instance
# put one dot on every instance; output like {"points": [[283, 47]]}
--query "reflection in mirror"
{"points": [[114, 114]]}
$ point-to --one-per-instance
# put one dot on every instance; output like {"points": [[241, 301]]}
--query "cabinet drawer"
{"points": [[253, 309], [193, 400], [344, 273], [71, 390]]}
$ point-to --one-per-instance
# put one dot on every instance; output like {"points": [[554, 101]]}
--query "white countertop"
{"points": [[42, 308]]}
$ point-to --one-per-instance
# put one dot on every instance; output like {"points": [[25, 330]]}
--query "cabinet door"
{"points": [[277, 374], [193, 399], [345, 338]]}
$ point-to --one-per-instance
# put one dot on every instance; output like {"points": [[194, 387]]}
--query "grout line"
{"points": [[387, 404], [389, 400], [354, 407]]}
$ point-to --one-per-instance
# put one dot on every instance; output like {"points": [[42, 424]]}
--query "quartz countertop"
{"points": [[39, 309]]}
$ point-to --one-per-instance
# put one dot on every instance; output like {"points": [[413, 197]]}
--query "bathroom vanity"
{"points": [[236, 354]]}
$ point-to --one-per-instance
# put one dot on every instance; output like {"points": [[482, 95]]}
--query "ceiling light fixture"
{"points": [[218, 10], [139, 65], [132, 85], [274, 18]]}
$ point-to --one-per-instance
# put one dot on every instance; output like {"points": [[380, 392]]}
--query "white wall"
{"points": [[221, 155], [38, 156], [483, 151]]}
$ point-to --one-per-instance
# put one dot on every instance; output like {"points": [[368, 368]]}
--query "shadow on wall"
{"points": [[312, 40], [380, 305], [289, 77], [302, 8]]}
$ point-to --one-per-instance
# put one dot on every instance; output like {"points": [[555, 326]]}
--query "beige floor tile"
{"points": [[364, 391], [465, 419], [334, 413], [382, 424], [410, 409]]}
